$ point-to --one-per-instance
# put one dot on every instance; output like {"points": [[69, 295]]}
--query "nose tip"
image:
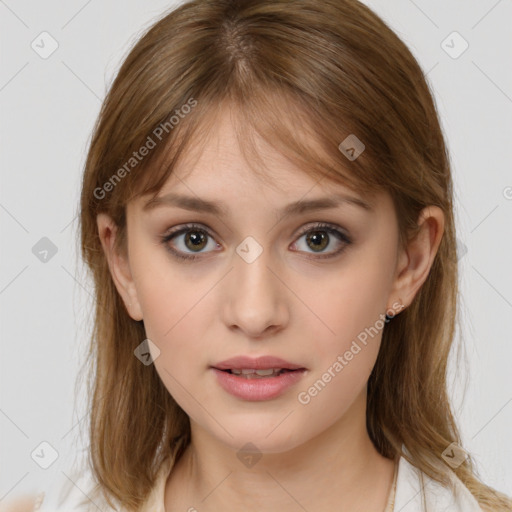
{"points": [[254, 299], [255, 333]]}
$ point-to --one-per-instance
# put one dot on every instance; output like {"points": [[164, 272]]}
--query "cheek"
{"points": [[174, 314], [177, 311], [175, 319], [347, 346], [165, 294], [346, 305], [351, 305]]}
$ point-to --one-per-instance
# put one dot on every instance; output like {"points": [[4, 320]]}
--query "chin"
{"points": [[261, 439]]}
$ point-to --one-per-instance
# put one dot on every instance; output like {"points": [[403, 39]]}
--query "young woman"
{"points": [[267, 215]]}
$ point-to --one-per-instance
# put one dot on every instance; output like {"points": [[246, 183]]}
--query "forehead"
{"points": [[219, 166], [228, 154], [232, 157], [216, 178]]}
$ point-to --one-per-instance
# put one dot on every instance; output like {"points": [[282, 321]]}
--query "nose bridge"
{"points": [[255, 296]]}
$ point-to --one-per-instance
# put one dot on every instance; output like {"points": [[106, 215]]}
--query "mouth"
{"points": [[262, 366], [261, 378], [252, 373]]}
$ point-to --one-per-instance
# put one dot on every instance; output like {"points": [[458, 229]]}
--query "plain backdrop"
{"points": [[48, 106]]}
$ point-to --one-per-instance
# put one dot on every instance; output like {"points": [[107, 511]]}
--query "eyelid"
{"points": [[178, 230], [323, 225]]}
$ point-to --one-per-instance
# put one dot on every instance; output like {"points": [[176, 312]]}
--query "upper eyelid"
{"points": [[310, 225], [181, 229]]}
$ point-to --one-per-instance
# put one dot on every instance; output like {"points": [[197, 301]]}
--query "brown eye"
{"points": [[195, 239], [321, 236], [318, 240]]}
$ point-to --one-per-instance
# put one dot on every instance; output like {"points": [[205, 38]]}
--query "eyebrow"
{"points": [[197, 204]]}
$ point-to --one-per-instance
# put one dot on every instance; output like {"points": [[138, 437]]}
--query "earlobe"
{"points": [[119, 266], [415, 261]]}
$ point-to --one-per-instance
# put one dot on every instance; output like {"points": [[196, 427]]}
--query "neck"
{"points": [[339, 469]]}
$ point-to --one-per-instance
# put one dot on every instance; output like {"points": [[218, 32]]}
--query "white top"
{"points": [[82, 496]]}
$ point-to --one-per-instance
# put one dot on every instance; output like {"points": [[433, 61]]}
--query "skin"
{"points": [[21, 504], [288, 303]]}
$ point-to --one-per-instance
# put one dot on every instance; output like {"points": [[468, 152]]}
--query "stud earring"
{"points": [[388, 318]]}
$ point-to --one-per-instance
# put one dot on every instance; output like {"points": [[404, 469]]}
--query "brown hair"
{"points": [[304, 75]]}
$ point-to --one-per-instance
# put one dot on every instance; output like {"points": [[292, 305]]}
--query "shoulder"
{"points": [[417, 492]]}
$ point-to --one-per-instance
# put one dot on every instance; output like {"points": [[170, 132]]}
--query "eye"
{"points": [[196, 238], [319, 237]]}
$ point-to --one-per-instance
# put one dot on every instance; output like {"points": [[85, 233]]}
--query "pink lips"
{"points": [[261, 388]]}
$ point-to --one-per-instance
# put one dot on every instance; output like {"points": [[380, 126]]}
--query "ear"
{"points": [[415, 261], [119, 266]]}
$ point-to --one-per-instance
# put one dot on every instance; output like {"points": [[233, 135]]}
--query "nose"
{"points": [[254, 298]]}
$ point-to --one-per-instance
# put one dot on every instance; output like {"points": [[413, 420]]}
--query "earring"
{"points": [[388, 318]]}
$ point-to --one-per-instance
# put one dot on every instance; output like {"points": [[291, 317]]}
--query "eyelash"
{"points": [[331, 229]]}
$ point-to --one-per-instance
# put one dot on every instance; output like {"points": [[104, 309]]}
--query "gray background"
{"points": [[48, 107]]}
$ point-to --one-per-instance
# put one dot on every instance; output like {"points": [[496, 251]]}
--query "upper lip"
{"points": [[258, 363]]}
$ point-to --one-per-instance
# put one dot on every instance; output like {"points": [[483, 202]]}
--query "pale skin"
{"points": [[288, 303]]}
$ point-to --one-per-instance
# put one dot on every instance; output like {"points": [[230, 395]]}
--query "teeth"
{"points": [[251, 373], [269, 371]]}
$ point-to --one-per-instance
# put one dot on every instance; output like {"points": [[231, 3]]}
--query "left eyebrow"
{"points": [[216, 208]]}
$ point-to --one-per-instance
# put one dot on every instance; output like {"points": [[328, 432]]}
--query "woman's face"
{"points": [[262, 283]]}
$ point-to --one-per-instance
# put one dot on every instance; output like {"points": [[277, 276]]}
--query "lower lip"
{"points": [[262, 388]]}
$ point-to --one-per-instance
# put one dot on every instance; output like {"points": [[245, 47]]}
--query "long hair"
{"points": [[304, 75]]}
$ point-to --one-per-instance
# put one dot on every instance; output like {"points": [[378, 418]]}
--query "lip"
{"points": [[264, 388], [258, 389], [258, 363]]}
